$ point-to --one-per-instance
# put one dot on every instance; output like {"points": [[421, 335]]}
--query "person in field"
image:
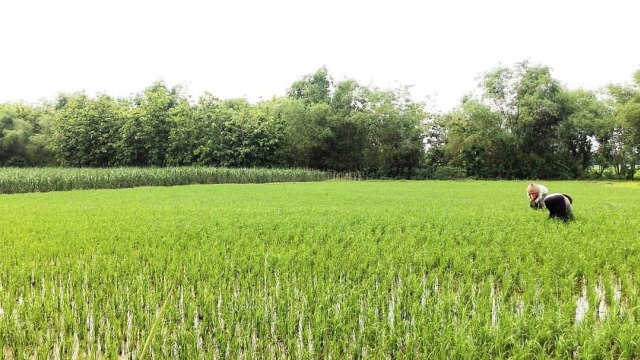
{"points": [[536, 194], [559, 206]]}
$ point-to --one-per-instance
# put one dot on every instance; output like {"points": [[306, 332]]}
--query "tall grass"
{"points": [[18, 180]]}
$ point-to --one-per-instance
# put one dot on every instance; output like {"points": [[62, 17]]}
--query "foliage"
{"points": [[449, 173], [24, 134], [627, 111], [478, 143], [86, 131], [525, 124], [521, 123], [145, 133], [342, 127], [353, 128]]}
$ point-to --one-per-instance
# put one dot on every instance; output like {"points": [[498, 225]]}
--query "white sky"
{"points": [[258, 48]]}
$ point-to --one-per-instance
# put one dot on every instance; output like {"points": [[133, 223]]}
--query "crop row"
{"points": [[17, 180]]}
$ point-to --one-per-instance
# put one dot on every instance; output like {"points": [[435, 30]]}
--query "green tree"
{"points": [[86, 131], [542, 107], [586, 124], [324, 127], [25, 135], [534, 109], [205, 136], [396, 133], [478, 142], [289, 115], [436, 137], [315, 88], [348, 127], [14, 137], [524, 124], [628, 116], [228, 133], [145, 135], [185, 135]]}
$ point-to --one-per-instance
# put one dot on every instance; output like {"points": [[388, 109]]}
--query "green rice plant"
{"points": [[341, 269], [154, 327]]}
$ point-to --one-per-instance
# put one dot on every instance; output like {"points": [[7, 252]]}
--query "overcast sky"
{"points": [[258, 48]]}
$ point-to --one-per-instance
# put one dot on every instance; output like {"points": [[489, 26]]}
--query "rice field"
{"points": [[333, 269]]}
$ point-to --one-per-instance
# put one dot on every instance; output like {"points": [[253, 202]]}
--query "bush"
{"points": [[16, 161], [449, 173]]}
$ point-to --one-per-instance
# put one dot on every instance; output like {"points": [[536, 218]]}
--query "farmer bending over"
{"points": [[559, 206], [536, 194]]}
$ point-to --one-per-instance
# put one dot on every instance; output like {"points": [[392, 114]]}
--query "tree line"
{"points": [[523, 123], [519, 123]]}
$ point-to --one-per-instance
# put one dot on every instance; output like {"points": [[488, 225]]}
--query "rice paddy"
{"points": [[333, 269]]}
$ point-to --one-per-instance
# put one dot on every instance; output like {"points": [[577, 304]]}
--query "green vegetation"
{"points": [[349, 128], [18, 180], [317, 270], [519, 123], [522, 123]]}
